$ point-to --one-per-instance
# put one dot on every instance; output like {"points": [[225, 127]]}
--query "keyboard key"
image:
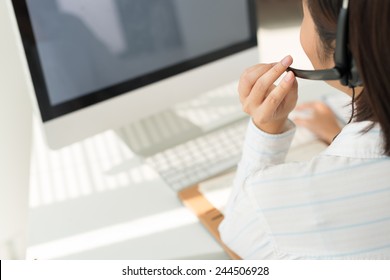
{"points": [[201, 158]]}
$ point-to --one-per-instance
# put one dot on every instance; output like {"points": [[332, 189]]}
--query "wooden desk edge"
{"points": [[208, 215]]}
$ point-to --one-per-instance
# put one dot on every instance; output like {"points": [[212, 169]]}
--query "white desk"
{"points": [[95, 200]]}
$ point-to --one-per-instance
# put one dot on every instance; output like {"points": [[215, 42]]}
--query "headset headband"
{"points": [[345, 69]]}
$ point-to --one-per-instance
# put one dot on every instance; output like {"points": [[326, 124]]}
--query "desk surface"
{"points": [[96, 200]]}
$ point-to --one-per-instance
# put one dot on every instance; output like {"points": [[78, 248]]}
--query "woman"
{"points": [[337, 205]]}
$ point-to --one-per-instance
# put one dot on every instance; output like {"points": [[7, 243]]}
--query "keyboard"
{"points": [[201, 158], [207, 138], [218, 152]]}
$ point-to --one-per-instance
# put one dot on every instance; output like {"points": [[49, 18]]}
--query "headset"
{"points": [[345, 69]]}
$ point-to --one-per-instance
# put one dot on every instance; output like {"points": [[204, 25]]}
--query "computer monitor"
{"points": [[99, 64]]}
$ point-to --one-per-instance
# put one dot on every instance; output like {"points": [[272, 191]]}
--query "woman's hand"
{"points": [[267, 104], [320, 120]]}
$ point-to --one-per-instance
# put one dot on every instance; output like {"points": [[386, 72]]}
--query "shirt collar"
{"points": [[355, 143]]}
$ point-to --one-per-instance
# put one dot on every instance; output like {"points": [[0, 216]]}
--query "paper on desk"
{"points": [[217, 190]]}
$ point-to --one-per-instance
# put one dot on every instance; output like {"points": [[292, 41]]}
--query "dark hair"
{"points": [[369, 41]]}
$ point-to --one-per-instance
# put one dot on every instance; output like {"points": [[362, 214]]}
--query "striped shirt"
{"points": [[335, 206]]}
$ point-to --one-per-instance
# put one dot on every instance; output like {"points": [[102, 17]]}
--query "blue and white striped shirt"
{"points": [[335, 206]]}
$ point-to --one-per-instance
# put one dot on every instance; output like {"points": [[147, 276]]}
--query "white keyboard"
{"points": [[201, 158], [217, 152]]}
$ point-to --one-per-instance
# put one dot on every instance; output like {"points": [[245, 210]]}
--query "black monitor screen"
{"points": [[81, 52]]}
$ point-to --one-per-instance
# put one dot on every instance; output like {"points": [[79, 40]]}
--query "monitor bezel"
{"points": [[49, 112]]}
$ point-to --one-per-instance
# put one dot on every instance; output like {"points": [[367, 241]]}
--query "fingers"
{"points": [[302, 122], [268, 104], [272, 102], [274, 73], [249, 78], [264, 84], [262, 75], [316, 107], [305, 106]]}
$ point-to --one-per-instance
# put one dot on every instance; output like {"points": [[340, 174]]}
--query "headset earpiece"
{"points": [[354, 77]]}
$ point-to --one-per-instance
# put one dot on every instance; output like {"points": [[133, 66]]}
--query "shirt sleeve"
{"points": [[244, 229]]}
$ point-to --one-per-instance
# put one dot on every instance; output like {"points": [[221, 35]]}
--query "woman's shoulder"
{"points": [[321, 171]]}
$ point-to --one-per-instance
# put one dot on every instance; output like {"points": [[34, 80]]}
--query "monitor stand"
{"points": [[185, 121], [157, 133]]}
